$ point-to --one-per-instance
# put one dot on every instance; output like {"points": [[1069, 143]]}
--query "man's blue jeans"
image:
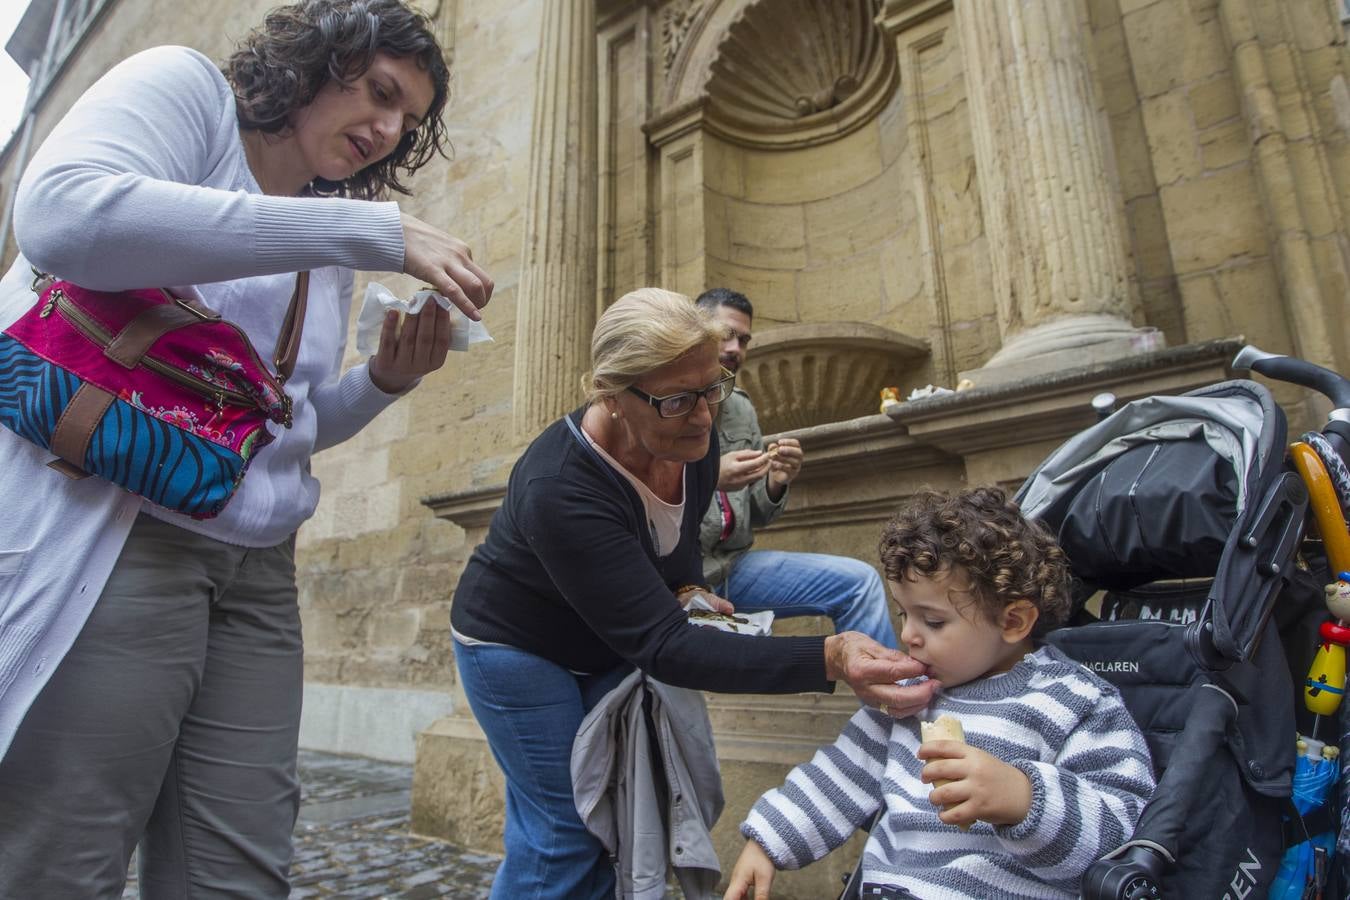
{"points": [[530, 710], [850, 592]]}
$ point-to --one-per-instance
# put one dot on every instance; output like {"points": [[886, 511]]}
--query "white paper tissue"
{"points": [[758, 624], [379, 300]]}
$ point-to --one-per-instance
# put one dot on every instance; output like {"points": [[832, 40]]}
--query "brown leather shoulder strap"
{"points": [[288, 341]]}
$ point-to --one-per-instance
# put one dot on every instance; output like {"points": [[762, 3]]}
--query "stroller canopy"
{"points": [[1156, 490]]}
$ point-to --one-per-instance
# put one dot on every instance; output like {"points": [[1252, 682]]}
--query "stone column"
{"points": [[1052, 211], [556, 302]]}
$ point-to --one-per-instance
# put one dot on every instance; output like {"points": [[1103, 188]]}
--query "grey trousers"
{"points": [[172, 723]]}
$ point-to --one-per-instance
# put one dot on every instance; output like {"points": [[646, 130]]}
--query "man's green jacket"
{"points": [[750, 507]]}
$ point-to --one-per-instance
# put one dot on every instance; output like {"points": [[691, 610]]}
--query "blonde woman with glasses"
{"points": [[581, 576]]}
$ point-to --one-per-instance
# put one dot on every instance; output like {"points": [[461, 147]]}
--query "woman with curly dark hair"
{"points": [[150, 664]]}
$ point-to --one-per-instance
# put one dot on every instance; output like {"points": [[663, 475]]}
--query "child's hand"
{"points": [[981, 786], [753, 869]]}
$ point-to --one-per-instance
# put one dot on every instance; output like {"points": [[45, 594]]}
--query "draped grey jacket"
{"points": [[619, 795]]}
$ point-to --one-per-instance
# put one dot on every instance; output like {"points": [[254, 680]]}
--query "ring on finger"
{"points": [[884, 711]]}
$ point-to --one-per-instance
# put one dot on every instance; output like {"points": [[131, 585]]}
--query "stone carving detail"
{"points": [[818, 372], [675, 28], [799, 72]]}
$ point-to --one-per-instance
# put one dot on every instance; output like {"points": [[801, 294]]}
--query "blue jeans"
{"points": [[850, 592], [530, 710]]}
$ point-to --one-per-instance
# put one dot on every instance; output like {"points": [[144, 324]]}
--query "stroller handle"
{"points": [[1295, 371]]}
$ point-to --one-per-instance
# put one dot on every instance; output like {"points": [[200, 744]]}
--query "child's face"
{"points": [[945, 629]]}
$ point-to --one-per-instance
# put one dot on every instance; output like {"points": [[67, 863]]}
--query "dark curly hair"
{"points": [[281, 66], [1005, 556]]}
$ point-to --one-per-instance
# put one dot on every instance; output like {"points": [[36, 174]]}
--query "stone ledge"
{"points": [[1054, 405], [1172, 361], [377, 723], [939, 431], [467, 509]]}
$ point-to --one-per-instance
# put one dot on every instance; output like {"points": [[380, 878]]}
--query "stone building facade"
{"points": [[1049, 198]]}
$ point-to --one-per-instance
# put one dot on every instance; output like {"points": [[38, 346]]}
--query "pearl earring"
{"points": [[614, 415]]}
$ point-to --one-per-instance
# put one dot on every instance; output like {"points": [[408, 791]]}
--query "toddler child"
{"points": [[1054, 773]]}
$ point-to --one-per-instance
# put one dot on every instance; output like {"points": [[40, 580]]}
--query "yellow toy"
{"points": [[1325, 686], [890, 396]]}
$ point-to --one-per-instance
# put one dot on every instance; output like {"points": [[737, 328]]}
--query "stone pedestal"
{"points": [[817, 372], [1051, 206], [557, 283]]}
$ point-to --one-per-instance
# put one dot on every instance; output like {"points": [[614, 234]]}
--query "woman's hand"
{"points": [[872, 671], [406, 354], [754, 870], [446, 264], [978, 785], [718, 604]]}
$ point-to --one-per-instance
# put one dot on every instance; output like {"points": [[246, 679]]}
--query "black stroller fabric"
{"points": [[1155, 511], [1193, 527], [1224, 756]]}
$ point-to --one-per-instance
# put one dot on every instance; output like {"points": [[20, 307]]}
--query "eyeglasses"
{"points": [[672, 406]]}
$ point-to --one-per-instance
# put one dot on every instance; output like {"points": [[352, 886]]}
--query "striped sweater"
{"points": [[1060, 724]]}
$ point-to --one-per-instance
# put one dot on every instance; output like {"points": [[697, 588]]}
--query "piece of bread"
{"points": [[944, 728]]}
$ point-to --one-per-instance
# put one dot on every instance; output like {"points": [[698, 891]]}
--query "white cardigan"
{"points": [[144, 183]]}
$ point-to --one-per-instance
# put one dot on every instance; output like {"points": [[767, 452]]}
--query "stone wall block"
{"points": [[1171, 48], [1225, 145], [773, 291], [394, 629], [766, 236], [813, 173], [852, 222], [1153, 256], [1171, 138], [1214, 101], [1113, 69], [1133, 161], [849, 292], [1320, 218], [723, 167], [904, 282], [1211, 220]]}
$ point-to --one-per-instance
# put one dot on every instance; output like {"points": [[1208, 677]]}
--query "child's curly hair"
{"points": [[1005, 556]]}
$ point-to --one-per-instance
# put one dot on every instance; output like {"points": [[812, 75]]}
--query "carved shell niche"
{"points": [[792, 73]]}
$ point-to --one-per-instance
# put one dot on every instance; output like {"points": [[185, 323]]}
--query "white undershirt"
{"points": [[663, 519]]}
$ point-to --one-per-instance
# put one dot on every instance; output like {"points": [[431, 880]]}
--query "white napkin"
{"points": [[379, 300], [756, 624]]}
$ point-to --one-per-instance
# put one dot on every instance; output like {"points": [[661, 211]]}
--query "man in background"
{"points": [[752, 490]]}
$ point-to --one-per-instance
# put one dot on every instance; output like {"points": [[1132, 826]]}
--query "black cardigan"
{"points": [[568, 572]]}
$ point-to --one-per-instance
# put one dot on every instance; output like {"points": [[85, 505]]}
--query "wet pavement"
{"points": [[352, 839]]}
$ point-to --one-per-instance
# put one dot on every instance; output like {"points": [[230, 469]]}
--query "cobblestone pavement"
{"points": [[352, 839]]}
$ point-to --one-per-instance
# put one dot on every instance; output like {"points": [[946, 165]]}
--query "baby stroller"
{"points": [[1201, 601], [1183, 521]]}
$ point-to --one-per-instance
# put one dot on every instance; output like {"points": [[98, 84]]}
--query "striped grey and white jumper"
{"points": [[1057, 722]]}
